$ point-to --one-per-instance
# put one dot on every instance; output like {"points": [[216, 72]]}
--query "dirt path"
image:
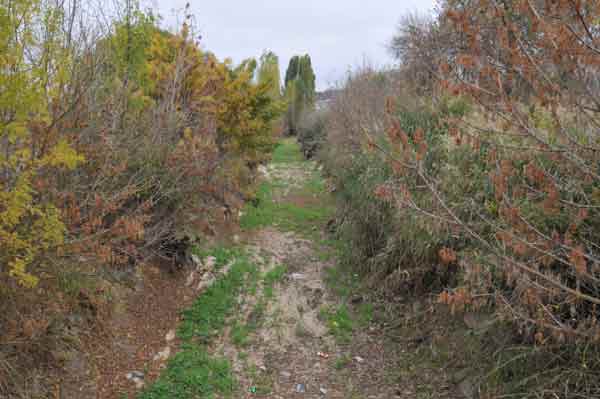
{"points": [[281, 320], [308, 341]]}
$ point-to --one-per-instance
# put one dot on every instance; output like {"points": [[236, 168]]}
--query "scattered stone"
{"points": [[323, 391], [196, 260], [137, 377], [262, 169], [300, 388], [170, 336], [263, 369], [163, 355], [190, 279], [359, 359], [297, 276], [205, 284], [285, 374]]}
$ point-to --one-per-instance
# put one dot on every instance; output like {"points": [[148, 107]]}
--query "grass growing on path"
{"points": [[193, 373], [287, 151], [312, 207]]}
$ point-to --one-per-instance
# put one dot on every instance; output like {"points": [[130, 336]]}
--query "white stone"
{"points": [[170, 336], [190, 279], [163, 355]]}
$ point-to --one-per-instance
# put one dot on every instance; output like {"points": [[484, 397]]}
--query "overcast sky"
{"points": [[338, 34]]}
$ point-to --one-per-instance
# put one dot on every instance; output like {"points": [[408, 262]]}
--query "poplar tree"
{"points": [[299, 90], [268, 74]]}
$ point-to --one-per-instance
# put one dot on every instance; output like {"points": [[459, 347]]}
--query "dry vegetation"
{"points": [[121, 144], [469, 176]]}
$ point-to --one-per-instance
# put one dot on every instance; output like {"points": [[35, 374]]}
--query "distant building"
{"points": [[324, 99]]}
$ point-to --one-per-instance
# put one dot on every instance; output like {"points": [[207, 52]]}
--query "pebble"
{"points": [[196, 260], [300, 388], [170, 336], [163, 355], [190, 279]]}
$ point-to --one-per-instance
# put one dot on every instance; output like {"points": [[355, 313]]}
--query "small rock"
{"points": [[285, 374], [359, 359], [163, 355], [170, 336], [323, 391], [135, 375], [190, 279], [196, 260], [297, 276], [263, 368]]}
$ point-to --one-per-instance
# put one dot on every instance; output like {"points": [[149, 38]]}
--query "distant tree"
{"points": [[299, 90], [268, 74]]}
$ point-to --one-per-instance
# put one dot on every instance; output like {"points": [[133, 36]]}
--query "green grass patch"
{"points": [[193, 373], [222, 255], [287, 151], [339, 322], [271, 277], [240, 334], [271, 210], [341, 282], [208, 314], [342, 362], [287, 216], [365, 314]]}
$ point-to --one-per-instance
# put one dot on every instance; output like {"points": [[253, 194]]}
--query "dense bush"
{"points": [[311, 132], [385, 243], [493, 166], [117, 147]]}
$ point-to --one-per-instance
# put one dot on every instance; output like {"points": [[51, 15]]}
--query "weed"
{"points": [[239, 334], [339, 321], [271, 277], [342, 362], [222, 255], [365, 314]]}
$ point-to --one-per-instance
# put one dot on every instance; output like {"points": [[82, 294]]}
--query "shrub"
{"points": [[311, 132]]}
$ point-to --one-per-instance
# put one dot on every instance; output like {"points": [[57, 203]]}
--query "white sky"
{"points": [[338, 34]]}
